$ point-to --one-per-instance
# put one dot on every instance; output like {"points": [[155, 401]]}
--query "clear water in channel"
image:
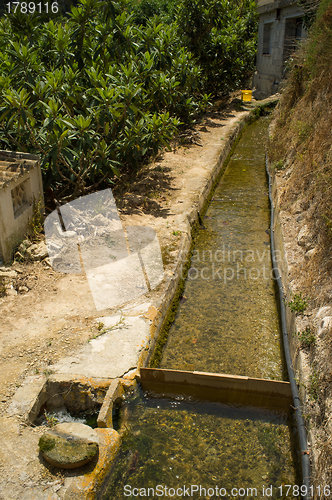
{"points": [[181, 442], [227, 322]]}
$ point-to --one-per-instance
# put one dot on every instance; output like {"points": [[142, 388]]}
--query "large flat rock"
{"points": [[69, 445]]}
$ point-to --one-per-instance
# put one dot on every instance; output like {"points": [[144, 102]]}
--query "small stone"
{"points": [[7, 273], [69, 445], [18, 256], [305, 237], [37, 251], [19, 271], [310, 254], [23, 289]]}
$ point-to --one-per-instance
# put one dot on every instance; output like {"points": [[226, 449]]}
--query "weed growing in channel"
{"points": [[102, 329], [51, 419], [307, 338], [299, 304], [313, 385]]}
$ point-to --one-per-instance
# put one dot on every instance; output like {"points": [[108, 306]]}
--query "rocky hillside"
{"points": [[301, 151]]}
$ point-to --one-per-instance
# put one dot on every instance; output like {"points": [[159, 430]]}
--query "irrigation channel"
{"points": [[227, 322]]}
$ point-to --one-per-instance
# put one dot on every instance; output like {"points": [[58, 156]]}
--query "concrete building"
{"points": [[280, 30], [20, 182]]}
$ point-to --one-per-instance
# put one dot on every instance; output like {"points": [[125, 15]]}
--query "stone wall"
{"points": [[20, 182]]}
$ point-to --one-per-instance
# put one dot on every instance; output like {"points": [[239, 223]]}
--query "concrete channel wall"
{"points": [[296, 365]]}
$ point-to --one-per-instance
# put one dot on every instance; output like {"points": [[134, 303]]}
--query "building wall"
{"points": [[13, 226], [270, 67]]}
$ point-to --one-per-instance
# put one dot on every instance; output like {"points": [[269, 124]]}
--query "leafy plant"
{"points": [[95, 94], [298, 304], [279, 165], [35, 224], [313, 388], [223, 37], [307, 338], [50, 419]]}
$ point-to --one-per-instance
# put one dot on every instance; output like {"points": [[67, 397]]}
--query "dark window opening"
{"points": [[293, 33], [267, 38]]}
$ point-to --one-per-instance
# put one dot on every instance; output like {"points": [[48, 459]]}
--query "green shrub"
{"points": [[298, 304], [313, 388], [95, 94], [307, 338], [223, 37]]}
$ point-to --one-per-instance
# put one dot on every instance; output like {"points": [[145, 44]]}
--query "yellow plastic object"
{"points": [[246, 95]]}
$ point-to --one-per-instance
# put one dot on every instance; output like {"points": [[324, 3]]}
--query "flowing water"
{"points": [[181, 442], [227, 322]]}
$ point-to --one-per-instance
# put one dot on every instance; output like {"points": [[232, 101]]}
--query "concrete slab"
{"points": [[112, 354], [29, 398]]}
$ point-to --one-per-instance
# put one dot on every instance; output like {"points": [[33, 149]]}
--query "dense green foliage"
{"points": [[95, 92], [144, 10], [222, 35]]}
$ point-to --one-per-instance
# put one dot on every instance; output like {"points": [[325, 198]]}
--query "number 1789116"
{"points": [[32, 7]]}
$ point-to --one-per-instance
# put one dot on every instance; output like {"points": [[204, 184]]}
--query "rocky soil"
{"points": [[309, 274]]}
